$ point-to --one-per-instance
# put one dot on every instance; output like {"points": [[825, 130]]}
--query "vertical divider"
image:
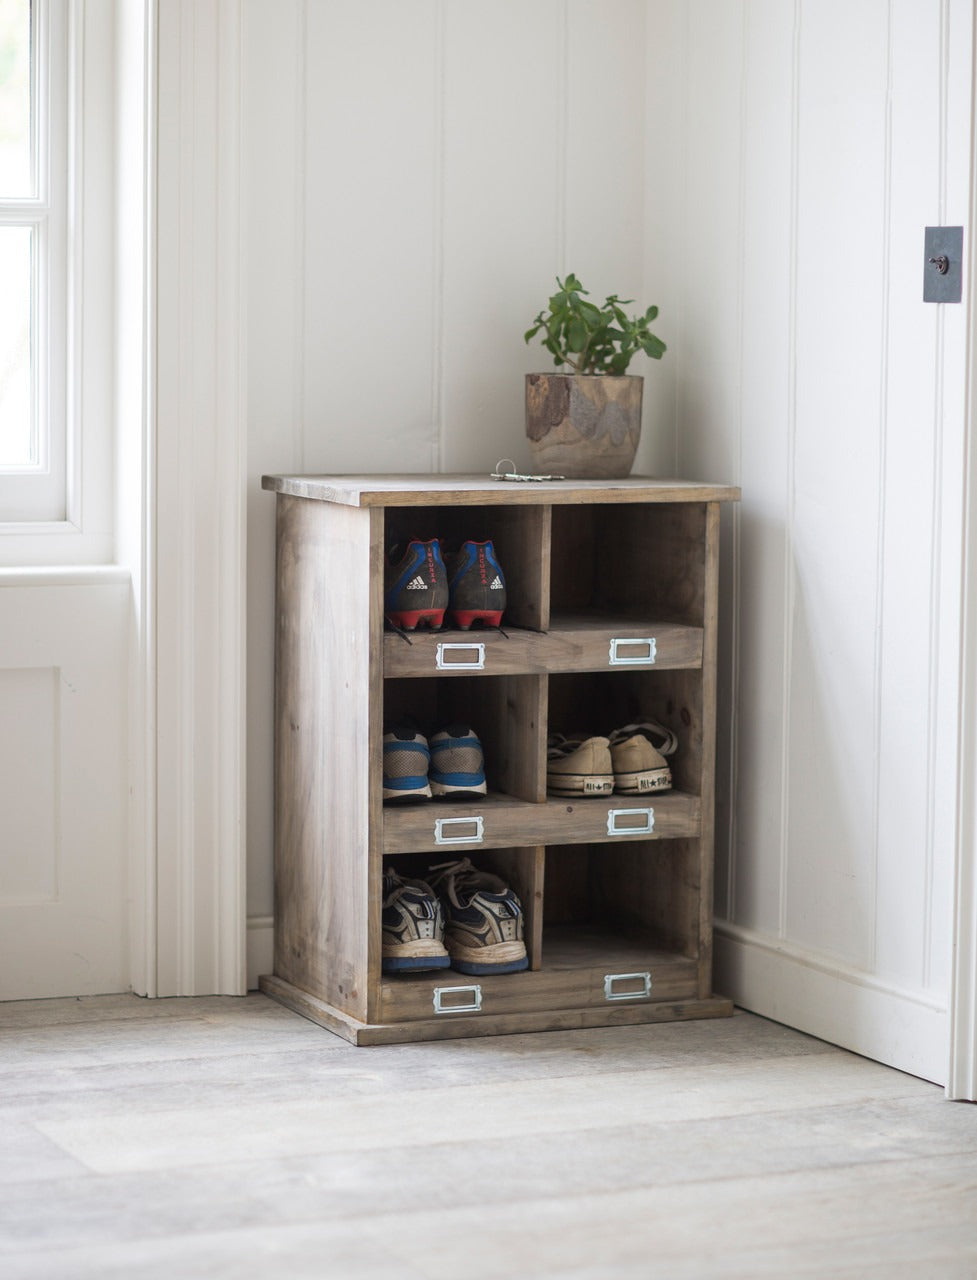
{"points": [[707, 781], [545, 546], [524, 870], [375, 758]]}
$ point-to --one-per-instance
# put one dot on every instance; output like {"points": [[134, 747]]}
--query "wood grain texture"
{"points": [[572, 643], [707, 766], [325, 654], [462, 1026], [576, 983], [469, 490], [585, 426], [508, 822], [610, 885]]}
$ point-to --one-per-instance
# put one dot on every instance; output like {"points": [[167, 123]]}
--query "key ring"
{"points": [[501, 473]]}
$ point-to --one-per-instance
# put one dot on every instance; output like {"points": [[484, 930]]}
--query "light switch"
{"points": [[943, 264]]}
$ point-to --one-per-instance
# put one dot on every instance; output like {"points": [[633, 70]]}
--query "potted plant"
{"points": [[586, 424]]}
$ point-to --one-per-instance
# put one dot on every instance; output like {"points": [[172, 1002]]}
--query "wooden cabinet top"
{"points": [[479, 490]]}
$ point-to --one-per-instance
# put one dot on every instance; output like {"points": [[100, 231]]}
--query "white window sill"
{"points": [[82, 575]]}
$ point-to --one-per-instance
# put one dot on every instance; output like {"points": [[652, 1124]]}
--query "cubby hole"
{"points": [[618, 904], [628, 562], [517, 533], [521, 869], [504, 711], [600, 702]]}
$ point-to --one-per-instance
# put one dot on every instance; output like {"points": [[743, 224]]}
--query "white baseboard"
{"points": [[846, 1007], [261, 948]]}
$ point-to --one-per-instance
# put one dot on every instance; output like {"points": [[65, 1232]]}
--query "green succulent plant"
{"points": [[592, 339]]}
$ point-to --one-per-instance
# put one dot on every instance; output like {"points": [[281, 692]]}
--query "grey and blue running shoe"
{"points": [[412, 926], [483, 919], [457, 762], [406, 759]]}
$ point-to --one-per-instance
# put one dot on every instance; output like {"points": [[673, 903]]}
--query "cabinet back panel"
{"points": [[630, 559], [648, 889], [520, 536]]}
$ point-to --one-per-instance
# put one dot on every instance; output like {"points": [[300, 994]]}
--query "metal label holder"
{"points": [[474, 1004], [444, 663], [641, 822], [475, 835], [646, 656], [612, 979]]}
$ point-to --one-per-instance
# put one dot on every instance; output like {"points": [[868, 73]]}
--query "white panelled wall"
{"points": [[763, 170], [418, 175], [818, 141]]}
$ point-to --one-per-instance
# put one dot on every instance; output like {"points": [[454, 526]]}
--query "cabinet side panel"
{"points": [[322, 681], [708, 789]]}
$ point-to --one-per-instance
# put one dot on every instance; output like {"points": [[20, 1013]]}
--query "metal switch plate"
{"points": [[943, 264]]}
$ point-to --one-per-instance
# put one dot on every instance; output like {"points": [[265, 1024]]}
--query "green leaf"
{"points": [[589, 338], [576, 334], [653, 347]]}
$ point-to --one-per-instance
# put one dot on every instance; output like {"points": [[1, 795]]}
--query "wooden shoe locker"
{"points": [[611, 619]]}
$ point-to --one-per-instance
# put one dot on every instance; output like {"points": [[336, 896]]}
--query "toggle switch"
{"points": [[943, 270]]}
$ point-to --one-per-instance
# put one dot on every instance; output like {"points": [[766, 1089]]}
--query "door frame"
{"points": [[962, 1060], [188, 814]]}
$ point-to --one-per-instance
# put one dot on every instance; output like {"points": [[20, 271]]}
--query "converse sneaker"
{"points": [[415, 586], [638, 754], [406, 760], [476, 587], [412, 926], [483, 919], [457, 762], [579, 766]]}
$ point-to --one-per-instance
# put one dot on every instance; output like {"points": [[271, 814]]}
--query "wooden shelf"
{"points": [[501, 822], [572, 643], [610, 620]]}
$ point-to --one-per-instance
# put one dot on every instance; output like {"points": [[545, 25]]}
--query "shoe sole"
{"points": [[402, 793], [502, 957], [580, 784], [453, 789], [643, 782], [463, 619], [421, 954], [411, 619]]}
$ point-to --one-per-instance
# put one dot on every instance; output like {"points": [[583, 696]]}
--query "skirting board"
{"points": [[841, 1006]]}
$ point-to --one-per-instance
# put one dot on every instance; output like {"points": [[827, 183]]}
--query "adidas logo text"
{"points": [[495, 584], [416, 584]]}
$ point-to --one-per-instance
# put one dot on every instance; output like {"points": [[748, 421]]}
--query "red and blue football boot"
{"points": [[476, 586], [415, 586]]}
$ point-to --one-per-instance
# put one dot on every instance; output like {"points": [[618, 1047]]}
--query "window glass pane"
{"points": [[15, 98], [17, 445]]}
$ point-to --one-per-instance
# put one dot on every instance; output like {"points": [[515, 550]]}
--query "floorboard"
{"points": [[221, 1137]]}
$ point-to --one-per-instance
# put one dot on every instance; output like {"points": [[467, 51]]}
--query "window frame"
{"points": [[36, 493], [82, 369]]}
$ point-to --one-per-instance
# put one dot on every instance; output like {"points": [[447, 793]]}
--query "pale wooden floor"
{"points": [[230, 1138]]}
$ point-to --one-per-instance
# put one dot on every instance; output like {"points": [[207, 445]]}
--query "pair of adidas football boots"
{"points": [[423, 584]]}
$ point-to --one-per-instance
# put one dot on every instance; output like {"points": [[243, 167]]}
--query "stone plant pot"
{"points": [[583, 426]]}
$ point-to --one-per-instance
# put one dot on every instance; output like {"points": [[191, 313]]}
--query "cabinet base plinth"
{"points": [[456, 1026]]}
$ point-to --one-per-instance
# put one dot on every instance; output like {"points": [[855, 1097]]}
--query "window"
{"points": [[33, 261]]}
